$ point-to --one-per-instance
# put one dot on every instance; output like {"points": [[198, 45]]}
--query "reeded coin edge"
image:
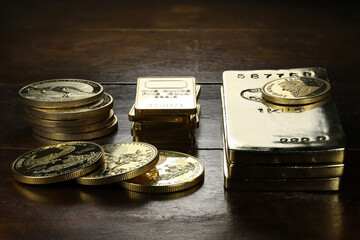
{"points": [[66, 123], [77, 130], [79, 136]]}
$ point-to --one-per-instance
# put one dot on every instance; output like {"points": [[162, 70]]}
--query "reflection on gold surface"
{"points": [[47, 194]]}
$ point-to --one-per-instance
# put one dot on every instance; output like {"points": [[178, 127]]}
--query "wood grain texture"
{"points": [[114, 42]]}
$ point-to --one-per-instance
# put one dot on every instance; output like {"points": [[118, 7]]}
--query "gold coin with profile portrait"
{"points": [[296, 90]]}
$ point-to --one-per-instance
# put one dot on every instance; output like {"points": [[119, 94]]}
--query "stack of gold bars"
{"points": [[68, 109], [165, 111], [281, 131], [137, 166]]}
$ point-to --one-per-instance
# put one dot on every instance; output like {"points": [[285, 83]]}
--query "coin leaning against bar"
{"points": [[57, 163], [175, 171], [296, 90], [123, 161], [101, 107], [61, 93]]}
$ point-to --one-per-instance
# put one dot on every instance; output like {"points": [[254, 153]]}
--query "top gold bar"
{"points": [[165, 96], [258, 131]]}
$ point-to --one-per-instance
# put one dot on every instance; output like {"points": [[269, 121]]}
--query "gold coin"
{"points": [[57, 163], [175, 171], [276, 108], [123, 161], [61, 93], [100, 107], [66, 123], [78, 136], [296, 90], [80, 129]]}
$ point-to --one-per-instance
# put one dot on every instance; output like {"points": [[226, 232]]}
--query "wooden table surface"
{"points": [[114, 42]]}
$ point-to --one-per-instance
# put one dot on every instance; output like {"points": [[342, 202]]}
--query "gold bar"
{"points": [[163, 133], [165, 96], [282, 171], [321, 184], [258, 133], [180, 141], [192, 119]]}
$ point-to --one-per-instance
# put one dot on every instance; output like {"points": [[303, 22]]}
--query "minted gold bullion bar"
{"points": [[164, 119], [165, 96], [318, 184], [163, 133], [170, 125], [264, 171], [79, 136], [180, 141], [258, 133]]}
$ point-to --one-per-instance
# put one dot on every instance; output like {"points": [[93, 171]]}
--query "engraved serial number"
{"points": [[303, 140], [267, 75], [162, 105]]}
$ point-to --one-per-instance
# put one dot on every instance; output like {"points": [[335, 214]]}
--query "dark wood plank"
{"points": [[114, 42], [186, 14], [121, 57], [70, 211]]}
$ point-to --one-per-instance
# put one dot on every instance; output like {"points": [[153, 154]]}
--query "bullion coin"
{"points": [[175, 171], [296, 90], [61, 93], [57, 163], [123, 161]]}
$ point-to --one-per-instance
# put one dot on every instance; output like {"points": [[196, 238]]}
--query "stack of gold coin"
{"points": [[138, 166], [166, 112], [281, 134], [68, 109]]}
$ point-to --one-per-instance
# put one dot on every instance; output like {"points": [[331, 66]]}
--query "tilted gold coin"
{"points": [[61, 93], [66, 123], [100, 107], [78, 136], [175, 171], [296, 90], [57, 163], [123, 161]]}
